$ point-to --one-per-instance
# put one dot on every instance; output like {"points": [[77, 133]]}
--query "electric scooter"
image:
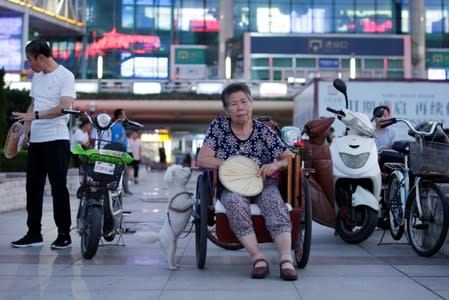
{"points": [[348, 192], [100, 211]]}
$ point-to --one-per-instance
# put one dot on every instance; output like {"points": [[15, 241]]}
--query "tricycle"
{"points": [[211, 222]]}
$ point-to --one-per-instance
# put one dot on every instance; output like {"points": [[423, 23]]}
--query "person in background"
{"points": [[238, 133], [162, 158], [52, 89], [188, 160], [119, 136], [81, 136], [384, 137], [135, 147]]}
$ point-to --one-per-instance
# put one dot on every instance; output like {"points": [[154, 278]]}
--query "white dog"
{"points": [[178, 214]]}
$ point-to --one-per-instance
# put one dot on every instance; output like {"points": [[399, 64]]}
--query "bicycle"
{"points": [[412, 193]]}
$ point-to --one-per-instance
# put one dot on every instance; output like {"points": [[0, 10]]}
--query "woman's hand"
{"points": [[268, 169]]}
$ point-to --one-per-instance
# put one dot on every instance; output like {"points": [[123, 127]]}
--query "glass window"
{"points": [[277, 75], [197, 16], [302, 16], [128, 16], [395, 74], [395, 64], [323, 16], [374, 63], [258, 14], [305, 63], [434, 16], [260, 62], [282, 62], [241, 17], [279, 16], [260, 74], [344, 16], [373, 17]]}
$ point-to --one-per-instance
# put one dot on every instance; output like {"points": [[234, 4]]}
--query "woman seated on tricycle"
{"points": [[239, 134]]}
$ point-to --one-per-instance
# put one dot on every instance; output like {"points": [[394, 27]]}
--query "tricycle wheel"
{"points": [[201, 221], [301, 246], [211, 235]]}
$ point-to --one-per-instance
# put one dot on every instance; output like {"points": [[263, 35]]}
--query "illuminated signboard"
{"points": [[134, 43], [11, 39]]}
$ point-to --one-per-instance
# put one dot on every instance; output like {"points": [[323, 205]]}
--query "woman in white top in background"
{"points": [[135, 148], [81, 136]]}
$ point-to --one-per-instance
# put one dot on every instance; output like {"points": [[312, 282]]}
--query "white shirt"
{"points": [[385, 138], [134, 146], [79, 137], [47, 90]]}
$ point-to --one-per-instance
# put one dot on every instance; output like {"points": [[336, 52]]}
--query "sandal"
{"points": [[288, 274], [260, 272]]}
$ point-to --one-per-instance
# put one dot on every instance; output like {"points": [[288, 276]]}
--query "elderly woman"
{"points": [[239, 134]]}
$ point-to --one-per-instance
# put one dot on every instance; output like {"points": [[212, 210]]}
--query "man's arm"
{"points": [[66, 102]]}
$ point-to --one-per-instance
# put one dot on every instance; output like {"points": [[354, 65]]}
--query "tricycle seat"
{"points": [[255, 210]]}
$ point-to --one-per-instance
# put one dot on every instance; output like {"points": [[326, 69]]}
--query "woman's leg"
{"points": [[277, 220], [239, 216]]}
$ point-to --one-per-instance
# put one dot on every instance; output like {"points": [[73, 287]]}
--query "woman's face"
{"points": [[240, 107]]}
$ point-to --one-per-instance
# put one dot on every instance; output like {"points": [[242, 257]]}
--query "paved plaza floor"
{"points": [[336, 270]]}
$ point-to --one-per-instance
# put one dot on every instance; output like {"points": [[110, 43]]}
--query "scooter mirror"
{"points": [[340, 85]]}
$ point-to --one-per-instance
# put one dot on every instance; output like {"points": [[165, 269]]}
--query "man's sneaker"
{"points": [[63, 241], [28, 241]]}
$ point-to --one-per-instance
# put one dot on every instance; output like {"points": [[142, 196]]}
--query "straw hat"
{"points": [[239, 175]]}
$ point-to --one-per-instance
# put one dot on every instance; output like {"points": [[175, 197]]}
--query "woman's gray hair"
{"points": [[232, 88]]}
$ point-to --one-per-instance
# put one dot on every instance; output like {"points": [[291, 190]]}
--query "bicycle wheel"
{"points": [[201, 222], [428, 231], [301, 246], [395, 206]]}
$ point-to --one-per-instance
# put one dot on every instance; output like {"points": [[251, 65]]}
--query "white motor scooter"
{"points": [[356, 174]]}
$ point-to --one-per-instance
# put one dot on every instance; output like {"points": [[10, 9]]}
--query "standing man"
{"points": [[53, 88], [119, 136]]}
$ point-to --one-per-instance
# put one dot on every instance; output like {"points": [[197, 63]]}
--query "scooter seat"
{"points": [[401, 146]]}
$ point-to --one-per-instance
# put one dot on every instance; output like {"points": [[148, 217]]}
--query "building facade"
{"points": [[136, 38]]}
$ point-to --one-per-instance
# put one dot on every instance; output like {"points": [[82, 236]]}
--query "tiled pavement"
{"points": [[336, 270]]}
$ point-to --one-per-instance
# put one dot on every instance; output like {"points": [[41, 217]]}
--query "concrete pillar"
{"points": [[418, 38], [226, 32]]}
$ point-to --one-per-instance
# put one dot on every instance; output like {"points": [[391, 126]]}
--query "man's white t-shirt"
{"points": [[47, 90]]}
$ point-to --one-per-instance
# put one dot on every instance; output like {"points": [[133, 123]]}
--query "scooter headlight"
{"points": [[290, 135], [354, 161], [103, 120]]}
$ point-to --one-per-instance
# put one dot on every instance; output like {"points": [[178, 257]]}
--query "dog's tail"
{"points": [[148, 236]]}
